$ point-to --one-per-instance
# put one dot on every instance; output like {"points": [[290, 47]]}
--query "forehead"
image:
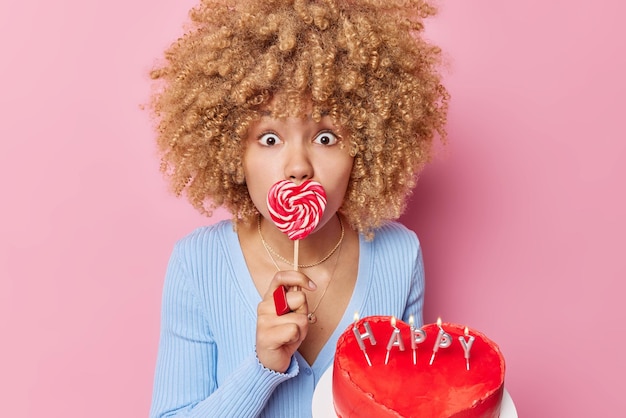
{"points": [[305, 121], [281, 107]]}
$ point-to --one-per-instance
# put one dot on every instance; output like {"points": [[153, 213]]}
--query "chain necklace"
{"points": [[269, 248], [311, 317]]}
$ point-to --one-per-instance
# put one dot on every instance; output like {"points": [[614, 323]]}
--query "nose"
{"points": [[298, 167]]}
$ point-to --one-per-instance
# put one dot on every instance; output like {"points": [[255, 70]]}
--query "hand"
{"points": [[278, 337]]}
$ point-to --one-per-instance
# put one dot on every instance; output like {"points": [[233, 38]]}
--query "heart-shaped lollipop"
{"points": [[296, 209]]}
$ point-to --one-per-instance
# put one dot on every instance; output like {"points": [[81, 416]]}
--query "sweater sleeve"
{"points": [[415, 300], [185, 383]]}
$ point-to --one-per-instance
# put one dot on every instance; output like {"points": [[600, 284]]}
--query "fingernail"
{"points": [[312, 285]]}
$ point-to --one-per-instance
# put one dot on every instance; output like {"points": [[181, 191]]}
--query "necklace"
{"points": [[269, 248], [311, 317]]}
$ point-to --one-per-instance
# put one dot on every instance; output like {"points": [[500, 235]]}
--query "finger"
{"points": [[297, 301], [268, 323], [292, 331], [288, 301], [280, 300], [288, 333], [290, 279], [293, 300], [276, 344]]}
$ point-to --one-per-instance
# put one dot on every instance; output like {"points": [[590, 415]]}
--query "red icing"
{"points": [[401, 389]]}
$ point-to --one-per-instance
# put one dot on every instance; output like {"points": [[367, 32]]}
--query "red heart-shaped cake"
{"points": [[401, 388]]}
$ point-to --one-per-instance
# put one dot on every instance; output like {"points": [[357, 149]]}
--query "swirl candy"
{"points": [[296, 209]]}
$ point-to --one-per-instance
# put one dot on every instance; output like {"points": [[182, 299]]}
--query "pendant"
{"points": [[312, 318]]}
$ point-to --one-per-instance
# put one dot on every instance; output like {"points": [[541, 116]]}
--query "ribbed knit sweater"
{"points": [[207, 364]]}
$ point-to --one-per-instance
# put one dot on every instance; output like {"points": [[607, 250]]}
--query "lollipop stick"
{"points": [[296, 248]]}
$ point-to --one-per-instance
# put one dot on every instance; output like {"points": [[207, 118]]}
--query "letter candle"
{"points": [[443, 340], [359, 337], [394, 340], [418, 336], [467, 346]]}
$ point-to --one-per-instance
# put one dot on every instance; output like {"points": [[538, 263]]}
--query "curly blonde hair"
{"points": [[364, 63]]}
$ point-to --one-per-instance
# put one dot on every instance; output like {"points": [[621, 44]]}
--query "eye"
{"points": [[326, 138], [269, 139]]}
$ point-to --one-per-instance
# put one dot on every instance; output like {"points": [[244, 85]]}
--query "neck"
{"points": [[317, 246]]}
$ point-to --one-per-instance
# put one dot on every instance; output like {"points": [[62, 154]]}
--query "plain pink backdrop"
{"points": [[521, 217]]}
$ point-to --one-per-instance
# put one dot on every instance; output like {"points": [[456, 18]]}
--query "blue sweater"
{"points": [[207, 364]]}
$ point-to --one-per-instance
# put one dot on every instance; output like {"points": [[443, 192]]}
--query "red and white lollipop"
{"points": [[296, 209]]}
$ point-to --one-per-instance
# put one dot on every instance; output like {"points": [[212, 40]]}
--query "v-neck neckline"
{"points": [[251, 296]]}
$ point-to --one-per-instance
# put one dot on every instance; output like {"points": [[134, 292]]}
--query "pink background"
{"points": [[521, 218]]}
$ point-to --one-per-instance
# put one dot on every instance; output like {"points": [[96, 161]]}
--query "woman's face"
{"points": [[296, 149]]}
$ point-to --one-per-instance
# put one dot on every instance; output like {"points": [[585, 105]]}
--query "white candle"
{"points": [[395, 340], [443, 340], [359, 337], [418, 336], [467, 346]]}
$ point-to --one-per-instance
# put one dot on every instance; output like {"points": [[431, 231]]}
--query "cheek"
{"points": [[346, 170], [341, 181], [252, 180], [258, 195]]}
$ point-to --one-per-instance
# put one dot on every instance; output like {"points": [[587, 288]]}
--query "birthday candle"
{"points": [[443, 340], [359, 337], [394, 340], [467, 346], [418, 336]]}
